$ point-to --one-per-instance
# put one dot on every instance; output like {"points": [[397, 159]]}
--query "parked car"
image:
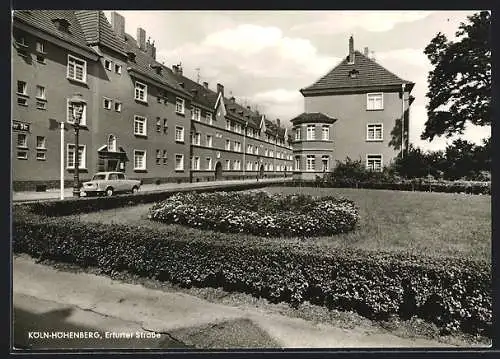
{"points": [[109, 183]]}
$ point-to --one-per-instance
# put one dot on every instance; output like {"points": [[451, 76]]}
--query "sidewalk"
{"points": [[54, 193], [46, 299]]}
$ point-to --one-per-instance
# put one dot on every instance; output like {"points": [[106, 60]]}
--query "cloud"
{"points": [[408, 56], [343, 21], [280, 103]]}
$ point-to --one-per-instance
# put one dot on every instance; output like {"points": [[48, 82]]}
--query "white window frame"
{"points": [[323, 158], [228, 145], [41, 155], [181, 131], [325, 129], [118, 69], [22, 154], [310, 165], [104, 99], [371, 101], [112, 148], [42, 94], [69, 114], [165, 156], [297, 163], [181, 157], [197, 139], [110, 63], [82, 164], [141, 120], [209, 163], [195, 164], [381, 161], [228, 165], [118, 106], [297, 133], [44, 143], [140, 91], [196, 114], [375, 126], [228, 125], [144, 157], [311, 135], [180, 105], [210, 140], [72, 62], [209, 118], [24, 143], [24, 88], [40, 46]]}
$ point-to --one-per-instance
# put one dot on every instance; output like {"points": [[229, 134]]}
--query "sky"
{"points": [[263, 58]]}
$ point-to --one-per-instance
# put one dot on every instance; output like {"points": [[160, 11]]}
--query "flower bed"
{"points": [[259, 213]]}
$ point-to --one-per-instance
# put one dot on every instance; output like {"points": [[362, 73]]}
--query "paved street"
{"points": [[46, 299], [53, 194]]}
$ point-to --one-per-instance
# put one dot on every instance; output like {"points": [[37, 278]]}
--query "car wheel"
{"points": [[135, 190], [109, 191]]}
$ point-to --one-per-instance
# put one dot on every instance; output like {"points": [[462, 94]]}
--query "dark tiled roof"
{"points": [[43, 20], [370, 73], [313, 117], [98, 30], [201, 95]]}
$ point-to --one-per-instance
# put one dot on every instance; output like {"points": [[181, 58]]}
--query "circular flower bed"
{"points": [[259, 213]]}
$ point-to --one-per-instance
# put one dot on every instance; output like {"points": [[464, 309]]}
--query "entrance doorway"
{"points": [[218, 171]]}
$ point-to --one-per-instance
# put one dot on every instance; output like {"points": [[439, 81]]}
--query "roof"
{"points": [[201, 95], [43, 20], [97, 30], [369, 74], [308, 117]]}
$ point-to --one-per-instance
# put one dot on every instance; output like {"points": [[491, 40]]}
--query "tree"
{"points": [[461, 160], [460, 84]]}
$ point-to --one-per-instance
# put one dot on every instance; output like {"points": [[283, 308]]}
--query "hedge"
{"points": [[454, 293], [259, 213]]}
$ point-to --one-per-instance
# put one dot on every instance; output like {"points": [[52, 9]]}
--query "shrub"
{"points": [[451, 292], [259, 213]]}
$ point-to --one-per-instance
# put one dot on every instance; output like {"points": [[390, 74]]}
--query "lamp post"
{"points": [[77, 106]]}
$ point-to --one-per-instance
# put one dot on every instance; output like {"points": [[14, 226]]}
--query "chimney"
{"points": [[220, 89], [366, 52], [141, 38], [351, 50], [177, 69], [278, 122], [118, 24], [205, 85], [248, 108], [151, 49], [232, 99]]}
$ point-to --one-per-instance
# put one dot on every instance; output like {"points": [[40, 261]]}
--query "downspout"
{"points": [[244, 149], [402, 120]]}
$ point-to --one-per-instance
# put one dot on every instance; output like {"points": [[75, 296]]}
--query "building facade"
{"points": [[141, 117], [367, 103]]}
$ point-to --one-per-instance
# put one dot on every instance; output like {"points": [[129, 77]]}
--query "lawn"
{"points": [[434, 224]]}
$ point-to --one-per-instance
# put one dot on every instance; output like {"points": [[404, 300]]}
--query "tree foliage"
{"points": [[460, 84]]}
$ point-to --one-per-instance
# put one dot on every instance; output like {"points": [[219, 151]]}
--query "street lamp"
{"points": [[77, 106]]}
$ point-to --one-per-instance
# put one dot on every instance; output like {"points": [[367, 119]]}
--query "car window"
{"points": [[98, 177], [121, 176], [113, 176]]}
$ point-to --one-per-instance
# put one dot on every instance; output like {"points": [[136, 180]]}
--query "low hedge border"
{"points": [[453, 293], [417, 187]]}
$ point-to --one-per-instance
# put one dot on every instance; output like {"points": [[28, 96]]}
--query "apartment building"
{"points": [[354, 111], [141, 117]]}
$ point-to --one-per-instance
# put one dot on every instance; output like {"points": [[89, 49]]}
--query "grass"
{"points": [[434, 224]]}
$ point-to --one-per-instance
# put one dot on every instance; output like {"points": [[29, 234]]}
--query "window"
{"points": [[195, 163], [112, 143], [41, 105], [140, 125], [40, 143], [374, 132], [179, 105], [196, 139], [107, 103], [70, 157], [310, 132], [158, 124], [237, 146], [179, 162], [165, 127], [164, 157], [40, 47], [22, 88], [297, 134], [228, 125], [22, 101], [118, 69], [108, 65], [209, 163], [374, 163], [310, 163], [228, 145], [249, 149], [69, 115], [209, 118], [228, 165], [325, 133], [375, 101], [40, 92], [41, 155], [22, 155], [237, 165], [324, 163], [179, 134], [266, 152], [158, 99], [158, 157], [141, 92], [139, 160], [77, 69], [195, 114], [256, 150], [209, 140], [249, 166], [237, 128], [271, 153], [297, 163], [22, 140], [118, 106]]}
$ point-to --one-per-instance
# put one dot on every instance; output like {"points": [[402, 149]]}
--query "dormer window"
{"points": [[157, 68], [61, 24], [353, 74], [131, 56]]}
